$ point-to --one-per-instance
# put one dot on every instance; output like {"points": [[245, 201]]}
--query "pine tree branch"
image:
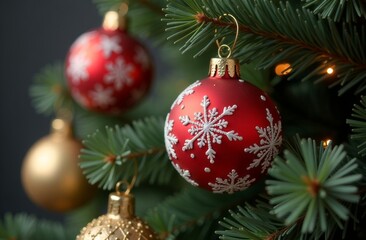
{"points": [[26, 227], [358, 124], [314, 186], [272, 34], [201, 18], [152, 6], [49, 92], [107, 156], [191, 209], [338, 10]]}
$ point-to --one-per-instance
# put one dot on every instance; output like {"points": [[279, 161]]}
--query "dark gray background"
{"points": [[34, 33]]}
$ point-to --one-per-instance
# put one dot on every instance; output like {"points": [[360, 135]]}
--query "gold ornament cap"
{"points": [[121, 205], [119, 223], [114, 20], [224, 68], [61, 127]]}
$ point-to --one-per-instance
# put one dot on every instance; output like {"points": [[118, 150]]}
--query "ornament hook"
{"points": [[129, 185], [222, 47]]}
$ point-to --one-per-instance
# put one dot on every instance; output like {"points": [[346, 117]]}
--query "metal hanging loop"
{"points": [[222, 47], [128, 185]]}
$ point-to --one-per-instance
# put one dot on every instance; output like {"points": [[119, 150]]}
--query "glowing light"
{"points": [[330, 70], [326, 143], [283, 69]]}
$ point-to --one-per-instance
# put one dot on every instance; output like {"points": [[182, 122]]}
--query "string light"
{"points": [[283, 69], [330, 70], [326, 143]]}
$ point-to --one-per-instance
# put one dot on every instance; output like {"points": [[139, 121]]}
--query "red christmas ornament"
{"points": [[108, 70], [222, 133]]}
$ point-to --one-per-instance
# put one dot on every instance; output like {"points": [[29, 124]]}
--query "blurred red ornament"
{"points": [[222, 133], [108, 70]]}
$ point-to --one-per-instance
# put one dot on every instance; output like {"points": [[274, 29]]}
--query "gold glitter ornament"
{"points": [[119, 223]]}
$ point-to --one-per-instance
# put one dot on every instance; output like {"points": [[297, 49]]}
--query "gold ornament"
{"points": [[51, 175], [119, 223]]}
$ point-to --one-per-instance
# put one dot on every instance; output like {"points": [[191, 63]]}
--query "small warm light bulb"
{"points": [[326, 143], [330, 70], [283, 69]]}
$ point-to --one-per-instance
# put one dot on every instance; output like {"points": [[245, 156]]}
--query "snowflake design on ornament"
{"points": [[77, 68], [188, 91], [170, 138], [269, 144], [102, 96], [232, 184], [142, 58], [119, 73], [110, 45], [207, 128], [185, 174]]}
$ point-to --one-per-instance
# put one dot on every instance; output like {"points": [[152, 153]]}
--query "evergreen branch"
{"points": [[49, 91], [259, 223], [25, 227], [338, 10], [313, 186], [274, 33], [106, 158], [254, 223], [358, 124], [193, 208], [154, 7]]}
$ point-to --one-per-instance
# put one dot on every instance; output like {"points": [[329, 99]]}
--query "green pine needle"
{"points": [[194, 209], [49, 91], [358, 124], [313, 186], [347, 10], [254, 223], [108, 156], [271, 33], [25, 227]]}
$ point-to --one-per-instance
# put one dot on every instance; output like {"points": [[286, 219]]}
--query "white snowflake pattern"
{"points": [[232, 184], [188, 91], [77, 68], [109, 45], [170, 138], [207, 128], [102, 96], [269, 144], [185, 174], [119, 73], [142, 58]]}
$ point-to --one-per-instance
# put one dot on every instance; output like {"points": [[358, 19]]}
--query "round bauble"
{"points": [[119, 223], [222, 132], [108, 70], [50, 172]]}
